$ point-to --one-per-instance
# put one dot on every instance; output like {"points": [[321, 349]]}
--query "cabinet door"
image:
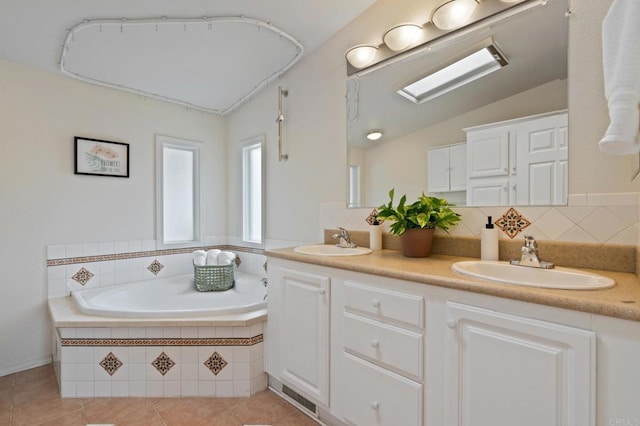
{"points": [[304, 325], [508, 370], [488, 152], [458, 166], [542, 146], [438, 169], [488, 192], [377, 397]]}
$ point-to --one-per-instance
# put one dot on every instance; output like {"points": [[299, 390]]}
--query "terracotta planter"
{"points": [[417, 242]]}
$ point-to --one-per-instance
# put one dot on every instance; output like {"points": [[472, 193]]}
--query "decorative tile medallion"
{"points": [[155, 267], [111, 363], [215, 363], [512, 223], [82, 276], [237, 261], [163, 363]]}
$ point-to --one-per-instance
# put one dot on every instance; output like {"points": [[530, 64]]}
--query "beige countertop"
{"points": [[621, 301]]}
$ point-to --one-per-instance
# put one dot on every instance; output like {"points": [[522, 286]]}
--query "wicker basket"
{"points": [[213, 277]]}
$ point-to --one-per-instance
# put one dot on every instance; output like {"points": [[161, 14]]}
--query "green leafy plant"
{"points": [[426, 212]]}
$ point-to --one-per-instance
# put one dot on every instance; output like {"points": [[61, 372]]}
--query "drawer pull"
{"points": [[374, 405], [322, 291], [375, 343], [452, 324], [375, 304]]}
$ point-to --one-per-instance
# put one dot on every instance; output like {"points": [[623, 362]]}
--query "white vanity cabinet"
{"points": [[381, 355], [521, 161], [447, 168], [298, 331], [373, 350], [505, 369]]}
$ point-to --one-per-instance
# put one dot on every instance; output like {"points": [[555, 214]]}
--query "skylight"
{"points": [[466, 70]]}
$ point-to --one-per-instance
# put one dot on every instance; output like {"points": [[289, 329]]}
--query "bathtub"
{"points": [[171, 297]]}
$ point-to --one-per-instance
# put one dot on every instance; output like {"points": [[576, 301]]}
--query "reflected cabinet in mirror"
{"points": [[497, 138]]}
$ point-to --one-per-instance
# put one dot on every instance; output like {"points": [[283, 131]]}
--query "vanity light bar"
{"points": [[464, 71]]}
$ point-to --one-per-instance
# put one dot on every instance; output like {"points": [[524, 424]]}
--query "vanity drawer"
{"points": [[377, 397], [384, 304], [384, 344]]}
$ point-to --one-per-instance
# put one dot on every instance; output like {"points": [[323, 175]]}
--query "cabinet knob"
{"points": [[374, 343], [322, 291], [375, 304], [374, 405], [452, 324]]}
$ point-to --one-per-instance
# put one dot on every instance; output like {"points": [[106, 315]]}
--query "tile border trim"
{"points": [[151, 253], [224, 341]]}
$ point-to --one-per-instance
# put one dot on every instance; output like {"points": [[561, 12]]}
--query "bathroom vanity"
{"points": [[383, 339]]}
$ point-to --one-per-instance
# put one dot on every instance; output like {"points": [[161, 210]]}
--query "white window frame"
{"points": [[163, 142], [354, 186], [245, 146]]}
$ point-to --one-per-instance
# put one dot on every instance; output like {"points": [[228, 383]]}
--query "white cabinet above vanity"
{"points": [[413, 353], [447, 168]]}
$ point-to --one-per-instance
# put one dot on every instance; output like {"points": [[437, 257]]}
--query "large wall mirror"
{"points": [[499, 140]]}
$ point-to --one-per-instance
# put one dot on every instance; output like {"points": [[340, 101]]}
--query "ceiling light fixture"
{"points": [[464, 71], [361, 56], [374, 135], [402, 36], [453, 14]]}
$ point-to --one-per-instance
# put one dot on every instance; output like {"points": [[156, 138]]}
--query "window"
{"points": [[178, 191], [252, 190]]}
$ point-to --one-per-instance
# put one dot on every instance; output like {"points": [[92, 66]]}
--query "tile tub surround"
{"points": [[77, 266], [159, 361], [604, 257], [31, 398]]}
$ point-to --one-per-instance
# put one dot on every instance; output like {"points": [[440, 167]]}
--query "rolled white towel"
{"points": [[226, 258], [200, 257], [212, 257]]}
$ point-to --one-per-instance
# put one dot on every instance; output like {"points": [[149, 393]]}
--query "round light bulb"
{"points": [[401, 37], [361, 56], [453, 14]]}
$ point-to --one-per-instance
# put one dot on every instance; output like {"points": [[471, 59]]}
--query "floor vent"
{"points": [[299, 399]]}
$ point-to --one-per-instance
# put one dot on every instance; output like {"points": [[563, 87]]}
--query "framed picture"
{"points": [[101, 158]]}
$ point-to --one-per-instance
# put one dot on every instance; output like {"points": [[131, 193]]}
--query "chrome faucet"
{"points": [[344, 239], [529, 255]]}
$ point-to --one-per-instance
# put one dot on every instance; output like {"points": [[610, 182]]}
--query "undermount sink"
{"points": [[559, 278], [331, 250]]}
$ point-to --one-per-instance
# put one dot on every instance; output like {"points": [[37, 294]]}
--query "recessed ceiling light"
{"points": [[464, 71], [374, 135]]}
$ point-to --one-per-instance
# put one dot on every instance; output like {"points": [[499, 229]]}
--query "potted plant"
{"points": [[416, 223]]}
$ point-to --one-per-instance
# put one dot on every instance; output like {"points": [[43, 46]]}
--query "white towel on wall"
{"points": [[621, 62]]}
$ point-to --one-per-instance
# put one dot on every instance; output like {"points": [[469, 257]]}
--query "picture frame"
{"points": [[98, 157]]}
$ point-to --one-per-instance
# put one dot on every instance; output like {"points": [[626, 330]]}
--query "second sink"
{"points": [[559, 278]]}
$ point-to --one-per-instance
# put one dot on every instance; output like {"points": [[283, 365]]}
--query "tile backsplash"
{"points": [[588, 218]]}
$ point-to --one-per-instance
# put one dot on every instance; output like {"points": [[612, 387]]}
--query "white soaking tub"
{"points": [[172, 297]]}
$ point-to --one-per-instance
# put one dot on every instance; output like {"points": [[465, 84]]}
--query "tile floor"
{"points": [[31, 398]]}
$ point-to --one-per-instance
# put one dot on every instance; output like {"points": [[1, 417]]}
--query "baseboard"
{"points": [[38, 362]]}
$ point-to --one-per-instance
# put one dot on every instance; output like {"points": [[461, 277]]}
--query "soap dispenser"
{"points": [[489, 242]]}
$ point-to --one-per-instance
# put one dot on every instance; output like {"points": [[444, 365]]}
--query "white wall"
{"points": [[44, 203]]}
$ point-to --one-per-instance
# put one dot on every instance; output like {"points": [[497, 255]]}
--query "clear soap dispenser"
{"points": [[489, 249]]}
